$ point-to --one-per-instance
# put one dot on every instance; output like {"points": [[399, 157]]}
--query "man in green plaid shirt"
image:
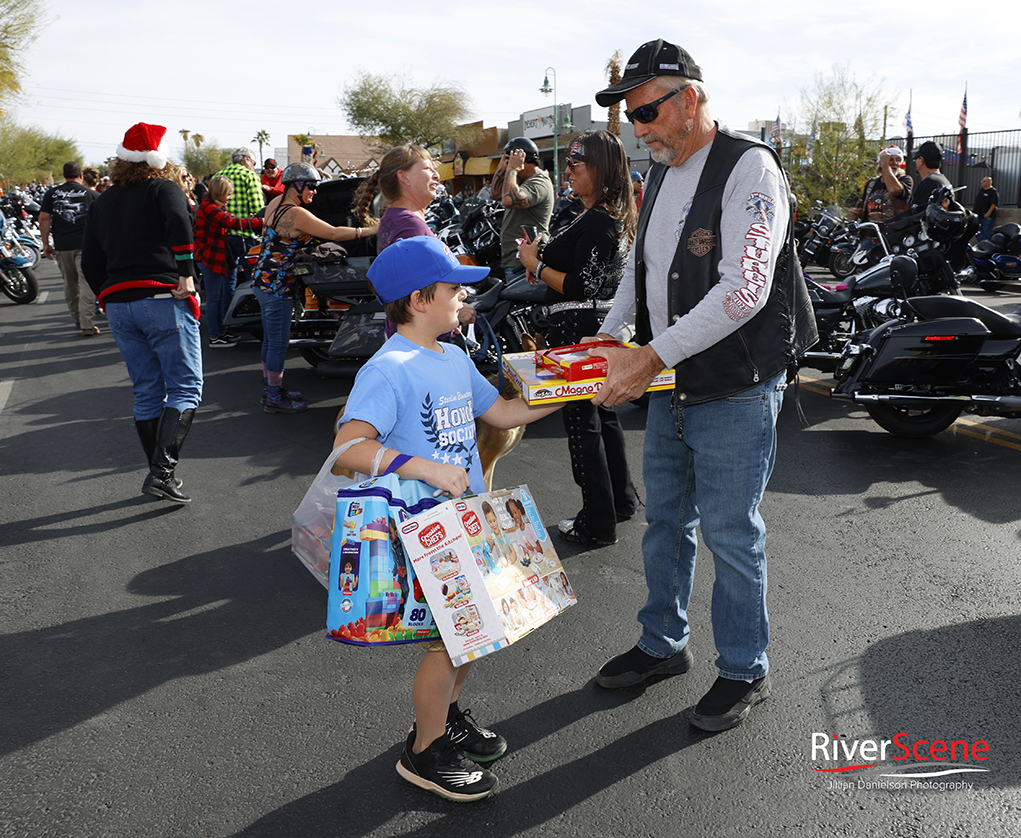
{"points": [[247, 198]]}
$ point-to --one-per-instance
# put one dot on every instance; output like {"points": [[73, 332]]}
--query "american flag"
{"points": [[775, 139], [908, 126], [962, 120]]}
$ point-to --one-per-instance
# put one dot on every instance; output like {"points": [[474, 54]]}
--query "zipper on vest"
{"points": [[748, 357]]}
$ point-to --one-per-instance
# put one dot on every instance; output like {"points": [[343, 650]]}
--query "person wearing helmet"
{"points": [[886, 194], [526, 191], [289, 228]]}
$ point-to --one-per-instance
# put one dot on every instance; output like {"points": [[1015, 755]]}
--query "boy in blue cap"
{"points": [[417, 396]]}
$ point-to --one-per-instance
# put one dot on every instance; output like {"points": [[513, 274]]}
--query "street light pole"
{"points": [[546, 90]]}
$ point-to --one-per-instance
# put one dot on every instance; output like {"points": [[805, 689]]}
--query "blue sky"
{"points": [[229, 70]]}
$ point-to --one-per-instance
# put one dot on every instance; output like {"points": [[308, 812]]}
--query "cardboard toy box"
{"points": [[540, 384], [488, 569]]}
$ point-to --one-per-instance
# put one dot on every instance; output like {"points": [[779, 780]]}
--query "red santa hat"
{"points": [[142, 144]]}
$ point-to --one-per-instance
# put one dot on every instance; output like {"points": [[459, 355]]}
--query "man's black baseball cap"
{"points": [[930, 152], [655, 58]]}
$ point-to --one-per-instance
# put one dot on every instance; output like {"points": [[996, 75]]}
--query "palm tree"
{"points": [[613, 117], [197, 139], [262, 138], [184, 132]]}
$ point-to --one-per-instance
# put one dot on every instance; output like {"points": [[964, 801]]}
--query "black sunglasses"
{"points": [[647, 113]]}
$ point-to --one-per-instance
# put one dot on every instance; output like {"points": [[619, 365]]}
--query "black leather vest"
{"points": [[765, 344]]}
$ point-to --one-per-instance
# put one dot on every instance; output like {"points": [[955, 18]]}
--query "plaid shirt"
{"points": [[248, 198], [211, 225]]}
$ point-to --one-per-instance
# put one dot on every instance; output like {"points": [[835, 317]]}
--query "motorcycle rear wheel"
{"points": [[914, 423], [20, 284], [841, 264]]}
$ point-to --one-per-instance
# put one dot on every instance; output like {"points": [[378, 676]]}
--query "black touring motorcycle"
{"points": [[942, 356]]}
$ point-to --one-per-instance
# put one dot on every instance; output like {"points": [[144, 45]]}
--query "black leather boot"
{"points": [[147, 435], [173, 428], [147, 430]]}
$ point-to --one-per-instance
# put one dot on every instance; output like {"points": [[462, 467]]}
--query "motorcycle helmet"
{"points": [[300, 176], [946, 224], [300, 172], [526, 145]]}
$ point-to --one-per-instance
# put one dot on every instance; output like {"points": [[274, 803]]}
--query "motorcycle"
{"points": [[942, 356], [475, 237], [996, 260], [827, 230], [16, 206], [17, 278], [338, 323], [869, 243], [875, 296]]}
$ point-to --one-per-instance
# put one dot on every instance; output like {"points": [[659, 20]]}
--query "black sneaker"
{"points": [[569, 531], [222, 341], [443, 769], [478, 744], [729, 702], [635, 666]]}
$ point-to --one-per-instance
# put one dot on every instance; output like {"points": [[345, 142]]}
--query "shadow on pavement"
{"points": [[228, 605], [950, 683], [372, 794]]}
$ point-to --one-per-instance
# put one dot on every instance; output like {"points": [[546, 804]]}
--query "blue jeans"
{"points": [[276, 327], [714, 476], [985, 227], [159, 341], [219, 292]]}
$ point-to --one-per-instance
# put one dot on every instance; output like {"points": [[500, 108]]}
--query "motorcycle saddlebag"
{"points": [[934, 352]]}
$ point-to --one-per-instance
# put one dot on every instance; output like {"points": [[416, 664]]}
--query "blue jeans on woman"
{"points": [[159, 341], [276, 327], [219, 292], [715, 476]]}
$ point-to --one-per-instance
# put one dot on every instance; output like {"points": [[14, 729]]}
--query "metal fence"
{"points": [[995, 154]]}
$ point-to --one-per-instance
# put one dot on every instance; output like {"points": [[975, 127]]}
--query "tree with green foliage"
{"points": [[834, 167], [19, 26], [28, 154], [391, 109], [203, 159]]}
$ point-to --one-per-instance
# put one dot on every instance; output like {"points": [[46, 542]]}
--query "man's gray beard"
{"points": [[663, 154]]}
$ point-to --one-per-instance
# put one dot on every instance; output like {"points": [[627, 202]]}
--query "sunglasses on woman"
{"points": [[647, 113]]}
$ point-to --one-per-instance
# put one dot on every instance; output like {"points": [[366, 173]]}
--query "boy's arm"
{"points": [[450, 479], [509, 413]]}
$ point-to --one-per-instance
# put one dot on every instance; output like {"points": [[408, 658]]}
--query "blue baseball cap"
{"points": [[412, 264]]}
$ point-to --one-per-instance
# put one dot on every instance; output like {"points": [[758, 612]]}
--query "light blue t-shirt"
{"points": [[423, 403]]}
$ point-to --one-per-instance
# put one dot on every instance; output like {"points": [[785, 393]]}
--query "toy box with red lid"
{"points": [[567, 373]]}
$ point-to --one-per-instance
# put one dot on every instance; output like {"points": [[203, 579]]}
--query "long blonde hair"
{"points": [[398, 159]]}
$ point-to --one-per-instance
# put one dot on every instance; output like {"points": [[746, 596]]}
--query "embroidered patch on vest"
{"points": [[701, 241]]}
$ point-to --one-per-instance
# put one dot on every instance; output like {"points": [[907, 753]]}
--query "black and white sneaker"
{"points": [[478, 743], [222, 341], [443, 769]]}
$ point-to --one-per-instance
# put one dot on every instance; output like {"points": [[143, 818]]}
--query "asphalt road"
{"points": [[165, 671]]}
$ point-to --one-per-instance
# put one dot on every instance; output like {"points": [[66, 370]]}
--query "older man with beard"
{"points": [[709, 290]]}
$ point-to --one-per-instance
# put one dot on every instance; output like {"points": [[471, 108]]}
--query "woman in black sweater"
{"points": [[137, 258], [582, 265]]}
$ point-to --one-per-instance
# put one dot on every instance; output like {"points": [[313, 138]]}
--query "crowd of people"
{"points": [[701, 276]]}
